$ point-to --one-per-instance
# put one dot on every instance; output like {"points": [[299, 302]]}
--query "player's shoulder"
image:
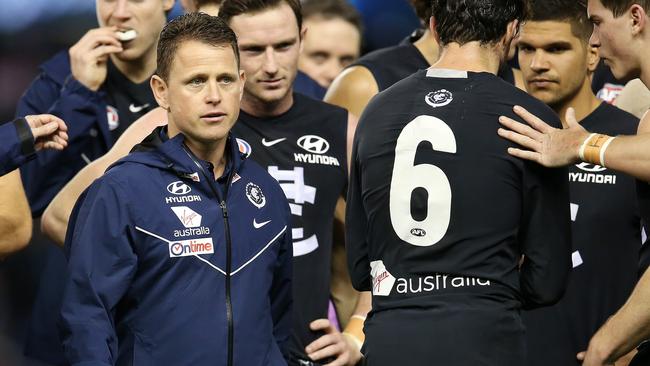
{"points": [[610, 119], [383, 54], [309, 108]]}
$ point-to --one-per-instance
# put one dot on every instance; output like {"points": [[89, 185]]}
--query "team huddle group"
{"points": [[235, 187]]}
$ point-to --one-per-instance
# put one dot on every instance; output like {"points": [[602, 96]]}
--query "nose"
{"points": [[594, 39], [213, 93], [538, 61], [270, 65], [122, 10]]}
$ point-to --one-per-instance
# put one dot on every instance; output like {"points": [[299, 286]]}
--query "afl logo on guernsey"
{"points": [[314, 144], [244, 147], [439, 98]]}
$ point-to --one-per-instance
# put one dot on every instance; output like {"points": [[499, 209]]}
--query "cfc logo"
{"points": [[255, 195], [439, 98], [178, 188], [185, 248]]}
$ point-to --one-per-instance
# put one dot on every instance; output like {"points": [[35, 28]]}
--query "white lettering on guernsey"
{"points": [[437, 282], [183, 199], [592, 178], [192, 231], [316, 159]]}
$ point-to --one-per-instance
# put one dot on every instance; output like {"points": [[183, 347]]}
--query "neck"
{"points": [[584, 103], [428, 47], [259, 108], [471, 56], [139, 70], [213, 151]]}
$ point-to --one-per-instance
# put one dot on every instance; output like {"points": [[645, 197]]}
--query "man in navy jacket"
{"points": [[181, 253]]}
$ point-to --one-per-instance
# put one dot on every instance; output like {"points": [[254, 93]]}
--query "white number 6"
{"points": [[407, 177]]}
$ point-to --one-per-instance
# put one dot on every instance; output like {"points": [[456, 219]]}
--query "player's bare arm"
{"points": [[54, 222], [352, 89], [15, 216], [553, 147]]}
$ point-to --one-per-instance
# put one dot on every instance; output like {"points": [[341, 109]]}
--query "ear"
{"points": [[303, 33], [242, 83], [169, 4], [432, 29], [159, 89], [638, 17], [593, 58]]}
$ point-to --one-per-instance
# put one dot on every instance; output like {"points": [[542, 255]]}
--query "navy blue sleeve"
{"points": [[16, 145], [356, 226], [281, 289], [80, 108], [101, 266]]}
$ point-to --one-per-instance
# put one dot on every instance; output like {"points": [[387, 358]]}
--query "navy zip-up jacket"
{"points": [[162, 270], [56, 92], [16, 145]]}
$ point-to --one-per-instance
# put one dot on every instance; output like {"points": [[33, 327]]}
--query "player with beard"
{"points": [[304, 144], [557, 63], [439, 215]]}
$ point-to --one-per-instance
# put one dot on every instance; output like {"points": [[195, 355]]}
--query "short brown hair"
{"points": [[332, 9], [569, 11], [618, 7], [422, 9], [192, 27], [232, 8]]}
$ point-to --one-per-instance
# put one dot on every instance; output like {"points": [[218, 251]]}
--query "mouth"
{"points": [[126, 34], [214, 117], [272, 83], [541, 82]]}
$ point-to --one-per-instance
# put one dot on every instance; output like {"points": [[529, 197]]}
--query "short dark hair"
{"points": [[484, 21], [422, 9], [232, 8], [618, 7], [332, 9], [570, 11], [192, 27]]}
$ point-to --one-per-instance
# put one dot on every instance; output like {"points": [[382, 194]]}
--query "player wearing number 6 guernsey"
{"points": [[439, 215]]}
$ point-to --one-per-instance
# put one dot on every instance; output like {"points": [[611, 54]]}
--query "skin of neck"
{"points": [[212, 151], [138, 70], [584, 102], [262, 109], [471, 56], [428, 47]]}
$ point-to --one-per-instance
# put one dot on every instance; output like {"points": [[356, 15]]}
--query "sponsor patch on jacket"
{"points": [[185, 248]]}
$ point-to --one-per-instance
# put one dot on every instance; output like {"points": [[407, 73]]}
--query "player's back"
{"points": [[443, 212]]}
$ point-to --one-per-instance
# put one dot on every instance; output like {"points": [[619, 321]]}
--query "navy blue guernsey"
{"points": [[392, 64], [606, 233], [304, 149], [439, 215]]}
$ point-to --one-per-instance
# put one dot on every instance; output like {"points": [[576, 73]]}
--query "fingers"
{"points": [[44, 130], [99, 53], [329, 345], [520, 128], [570, 118], [532, 120], [520, 139], [524, 154], [321, 324]]}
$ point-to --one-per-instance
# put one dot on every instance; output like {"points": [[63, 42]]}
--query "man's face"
{"points": [[202, 91], [146, 17], [329, 46], [613, 37], [554, 62], [269, 45]]}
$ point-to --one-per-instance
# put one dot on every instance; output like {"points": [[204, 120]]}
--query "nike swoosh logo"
{"points": [[136, 109], [259, 225], [272, 142]]}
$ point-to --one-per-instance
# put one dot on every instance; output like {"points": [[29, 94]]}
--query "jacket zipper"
{"points": [[224, 211]]}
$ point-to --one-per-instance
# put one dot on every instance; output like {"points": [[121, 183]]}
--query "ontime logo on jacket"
{"points": [[186, 248]]}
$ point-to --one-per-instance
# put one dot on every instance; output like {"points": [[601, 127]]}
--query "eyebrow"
{"points": [[248, 46], [557, 44]]}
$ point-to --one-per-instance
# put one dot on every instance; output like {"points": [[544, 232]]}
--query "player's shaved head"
{"points": [[619, 7], [484, 21], [572, 11]]}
